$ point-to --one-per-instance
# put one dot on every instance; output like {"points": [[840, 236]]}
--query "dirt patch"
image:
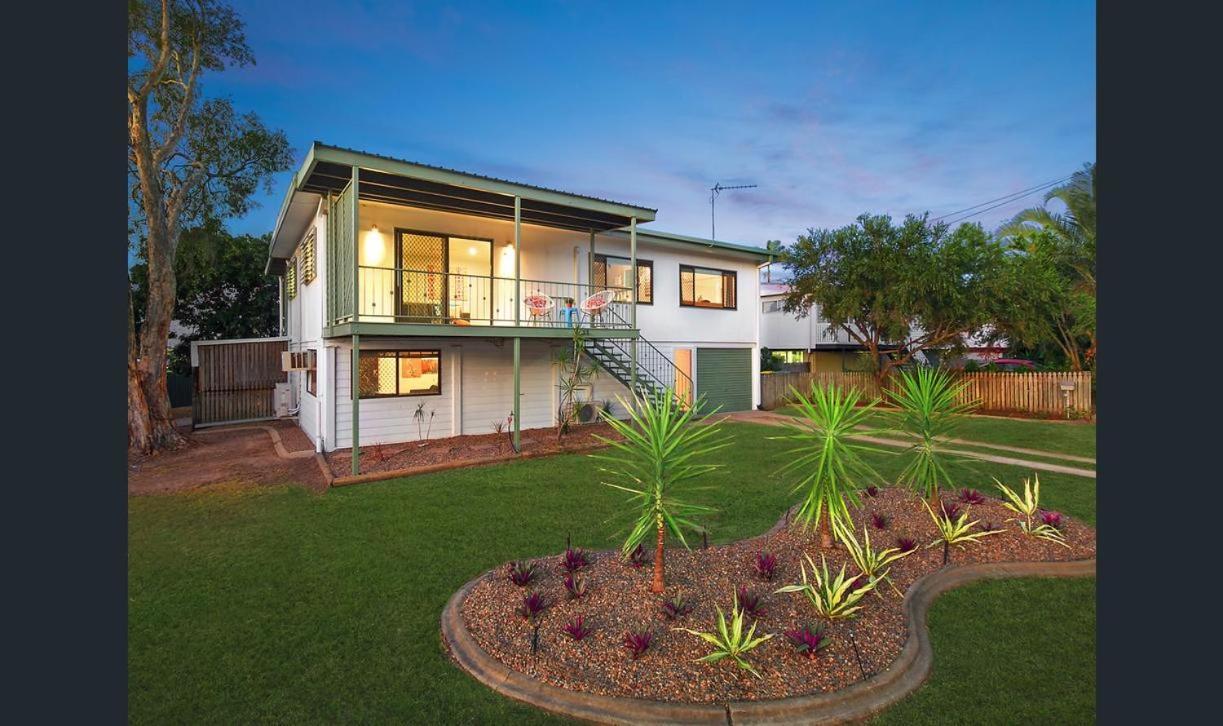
{"points": [[227, 456], [619, 600], [468, 448]]}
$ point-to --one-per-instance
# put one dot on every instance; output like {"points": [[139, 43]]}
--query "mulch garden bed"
{"points": [[467, 448], [619, 600]]}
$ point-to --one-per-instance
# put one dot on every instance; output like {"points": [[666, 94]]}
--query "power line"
{"points": [[1005, 199], [1000, 204]]}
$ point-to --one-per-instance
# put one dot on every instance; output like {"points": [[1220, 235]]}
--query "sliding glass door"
{"points": [[443, 279]]}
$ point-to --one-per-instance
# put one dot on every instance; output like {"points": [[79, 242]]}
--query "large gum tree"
{"points": [[190, 159]]}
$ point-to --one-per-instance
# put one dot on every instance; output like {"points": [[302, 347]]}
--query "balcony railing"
{"points": [[396, 295]]}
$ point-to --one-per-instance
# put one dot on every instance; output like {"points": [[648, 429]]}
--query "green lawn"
{"points": [[1078, 439], [281, 605]]}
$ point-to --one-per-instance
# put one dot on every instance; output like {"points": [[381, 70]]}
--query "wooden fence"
{"points": [[235, 380], [1039, 394]]}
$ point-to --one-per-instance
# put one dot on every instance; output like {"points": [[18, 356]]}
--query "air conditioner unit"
{"points": [[297, 360], [282, 400]]}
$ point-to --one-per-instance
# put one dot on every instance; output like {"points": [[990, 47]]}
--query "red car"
{"points": [[1013, 365]]}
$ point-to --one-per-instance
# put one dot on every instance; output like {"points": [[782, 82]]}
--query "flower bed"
{"points": [[617, 600]]}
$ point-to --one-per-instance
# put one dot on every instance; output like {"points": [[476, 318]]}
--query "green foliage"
{"points": [[828, 464], [731, 642], [927, 399], [1028, 506], [834, 598], [915, 284], [662, 442], [958, 531], [870, 562], [577, 370], [1051, 267]]}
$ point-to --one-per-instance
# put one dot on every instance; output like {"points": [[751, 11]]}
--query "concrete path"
{"points": [[770, 418]]}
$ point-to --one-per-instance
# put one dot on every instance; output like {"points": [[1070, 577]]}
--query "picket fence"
{"points": [[1039, 394]]}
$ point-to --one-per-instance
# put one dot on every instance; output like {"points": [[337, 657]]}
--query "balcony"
{"points": [[398, 301]]}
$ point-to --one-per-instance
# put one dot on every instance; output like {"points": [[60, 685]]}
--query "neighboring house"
{"points": [[458, 290], [809, 340]]}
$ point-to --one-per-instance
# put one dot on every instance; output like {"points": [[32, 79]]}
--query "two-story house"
{"points": [[809, 341], [450, 293]]}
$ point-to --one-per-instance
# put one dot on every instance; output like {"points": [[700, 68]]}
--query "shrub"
{"points": [[677, 607], [577, 629], [750, 602], [765, 564], [879, 521], [575, 586], [832, 598], [636, 558], [872, 491], [638, 642], [521, 573], [1027, 506], [958, 532], [873, 564], [731, 641], [828, 462], [906, 544], [1053, 519], [533, 603], [808, 640], [660, 445], [574, 560], [971, 496], [951, 509], [927, 398]]}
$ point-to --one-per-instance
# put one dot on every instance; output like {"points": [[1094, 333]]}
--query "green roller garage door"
{"points": [[724, 378]]}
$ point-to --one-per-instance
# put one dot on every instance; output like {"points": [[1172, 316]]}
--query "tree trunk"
{"points": [[825, 533], [658, 585], [935, 503], [159, 431], [138, 434]]}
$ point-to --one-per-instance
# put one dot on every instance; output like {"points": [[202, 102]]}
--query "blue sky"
{"points": [[833, 109]]}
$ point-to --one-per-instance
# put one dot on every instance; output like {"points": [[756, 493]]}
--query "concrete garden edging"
{"points": [[903, 676]]}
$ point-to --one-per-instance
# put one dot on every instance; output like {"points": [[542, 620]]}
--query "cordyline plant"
{"points": [[574, 560], [657, 455], [872, 563], [930, 412], [828, 463], [521, 573], [677, 607], [731, 641], [765, 564], [808, 640], [955, 532], [638, 642], [1029, 507], [833, 598]]}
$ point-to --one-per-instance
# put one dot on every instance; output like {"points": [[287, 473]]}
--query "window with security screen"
{"points": [[704, 287], [614, 272], [390, 373]]}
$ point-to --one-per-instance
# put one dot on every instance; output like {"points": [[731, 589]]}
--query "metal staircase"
{"points": [[656, 373]]}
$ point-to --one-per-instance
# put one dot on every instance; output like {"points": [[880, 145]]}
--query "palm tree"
{"points": [[661, 441], [930, 410], [1073, 229]]}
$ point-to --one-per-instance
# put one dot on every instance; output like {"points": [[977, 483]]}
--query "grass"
{"points": [[1078, 439], [280, 605]]}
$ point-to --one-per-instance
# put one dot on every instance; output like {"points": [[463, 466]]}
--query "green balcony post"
{"points": [[517, 394], [517, 274], [355, 379], [632, 265], [590, 278]]}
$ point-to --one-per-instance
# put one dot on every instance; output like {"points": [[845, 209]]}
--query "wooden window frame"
{"points": [[424, 352], [312, 373], [693, 268], [648, 264], [309, 263]]}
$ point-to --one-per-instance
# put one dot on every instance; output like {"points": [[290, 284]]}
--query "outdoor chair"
{"points": [[594, 305], [538, 305]]}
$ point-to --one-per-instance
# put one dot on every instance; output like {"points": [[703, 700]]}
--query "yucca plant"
{"points": [[731, 641], [834, 598], [1029, 507], [827, 462], [872, 563], [929, 411], [661, 443], [955, 532]]}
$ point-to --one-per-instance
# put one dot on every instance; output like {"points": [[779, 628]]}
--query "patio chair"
{"points": [[594, 305], [538, 305]]}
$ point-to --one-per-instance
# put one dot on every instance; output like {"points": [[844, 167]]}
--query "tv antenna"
{"points": [[714, 191]]}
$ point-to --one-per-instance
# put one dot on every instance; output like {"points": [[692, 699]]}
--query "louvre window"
{"points": [[291, 278], [704, 287], [388, 373], [308, 264], [613, 271]]}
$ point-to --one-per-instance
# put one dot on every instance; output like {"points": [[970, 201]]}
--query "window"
{"points": [[387, 373], [611, 271], [704, 287], [308, 264], [291, 278], [312, 372], [772, 306]]}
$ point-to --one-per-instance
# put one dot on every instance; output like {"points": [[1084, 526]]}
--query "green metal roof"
{"points": [[703, 242]]}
